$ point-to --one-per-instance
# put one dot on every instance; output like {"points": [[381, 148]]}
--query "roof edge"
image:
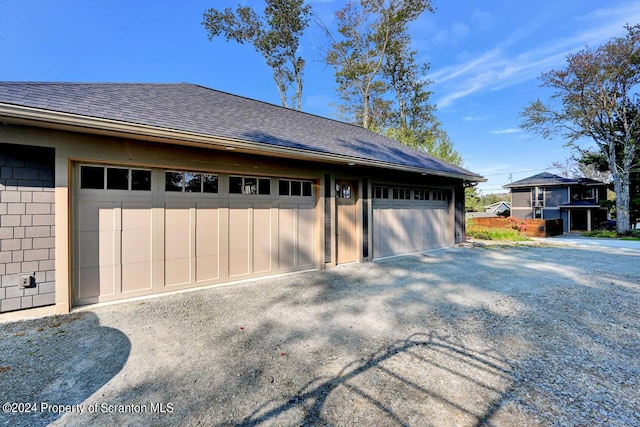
{"points": [[96, 125]]}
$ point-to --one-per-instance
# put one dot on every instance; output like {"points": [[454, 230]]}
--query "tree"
{"points": [[370, 57], [381, 85], [276, 35], [597, 161], [585, 166], [431, 140], [597, 99]]}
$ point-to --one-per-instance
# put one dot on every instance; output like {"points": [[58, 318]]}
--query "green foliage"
{"points": [[435, 143], [275, 35], [610, 234], [472, 200], [493, 233], [631, 235], [596, 97], [598, 161], [378, 79]]}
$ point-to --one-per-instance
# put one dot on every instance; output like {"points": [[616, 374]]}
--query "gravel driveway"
{"points": [[496, 335]]}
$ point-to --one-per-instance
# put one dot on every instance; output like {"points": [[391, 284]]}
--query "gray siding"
{"points": [[555, 196], [565, 221], [26, 226], [521, 198], [551, 214]]}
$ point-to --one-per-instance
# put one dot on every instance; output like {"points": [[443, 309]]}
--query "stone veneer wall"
{"points": [[27, 243]]}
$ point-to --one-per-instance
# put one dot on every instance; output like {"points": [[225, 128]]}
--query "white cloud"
{"points": [[498, 68], [473, 118], [505, 131]]}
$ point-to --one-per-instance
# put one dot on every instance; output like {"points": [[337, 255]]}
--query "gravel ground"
{"points": [[495, 335]]}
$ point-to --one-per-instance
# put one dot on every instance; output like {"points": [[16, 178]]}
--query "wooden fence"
{"points": [[528, 227]]}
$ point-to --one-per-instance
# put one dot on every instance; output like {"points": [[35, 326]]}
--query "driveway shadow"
{"points": [[56, 361], [416, 380]]}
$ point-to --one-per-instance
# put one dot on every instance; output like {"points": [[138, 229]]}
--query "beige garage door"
{"points": [[145, 231], [407, 220]]}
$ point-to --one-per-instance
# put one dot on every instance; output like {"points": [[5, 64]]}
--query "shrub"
{"points": [[609, 234], [489, 233]]}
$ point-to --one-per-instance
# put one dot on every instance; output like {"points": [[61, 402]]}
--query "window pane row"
{"points": [[290, 187], [249, 185], [113, 178], [118, 178], [191, 182], [398, 193]]}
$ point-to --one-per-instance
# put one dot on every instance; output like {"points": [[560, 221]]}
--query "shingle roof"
{"points": [[546, 179], [197, 109]]}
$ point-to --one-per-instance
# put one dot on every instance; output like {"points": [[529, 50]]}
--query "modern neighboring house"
{"points": [[113, 191], [549, 196]]}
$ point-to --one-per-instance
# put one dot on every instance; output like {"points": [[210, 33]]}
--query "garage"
{"points": [[142, 231], [407, 220], [150, 188]]}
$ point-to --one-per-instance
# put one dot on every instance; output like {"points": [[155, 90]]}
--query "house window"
{"points": [[190, 182], [380, 192], [249, 185], [537, 197], [289, 187], [583, 194], [537, 214], [114, 178]]}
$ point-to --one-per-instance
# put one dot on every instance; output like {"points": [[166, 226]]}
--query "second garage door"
{"points": [[407, 220], [146, 231]]}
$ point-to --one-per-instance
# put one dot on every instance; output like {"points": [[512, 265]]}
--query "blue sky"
{"points": [[485, 59]]}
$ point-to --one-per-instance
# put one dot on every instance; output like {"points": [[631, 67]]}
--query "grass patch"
{"points": [[610, 234], [491, 233], [607, 234]]}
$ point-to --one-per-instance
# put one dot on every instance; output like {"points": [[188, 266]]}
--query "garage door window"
{"points": [[289, 187], [420, 194], [117, 179], [249, 185], [92, 177], [190, 182], [380, 192], [140, 180], [402, 193], [114, 178], [438, 195]]}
